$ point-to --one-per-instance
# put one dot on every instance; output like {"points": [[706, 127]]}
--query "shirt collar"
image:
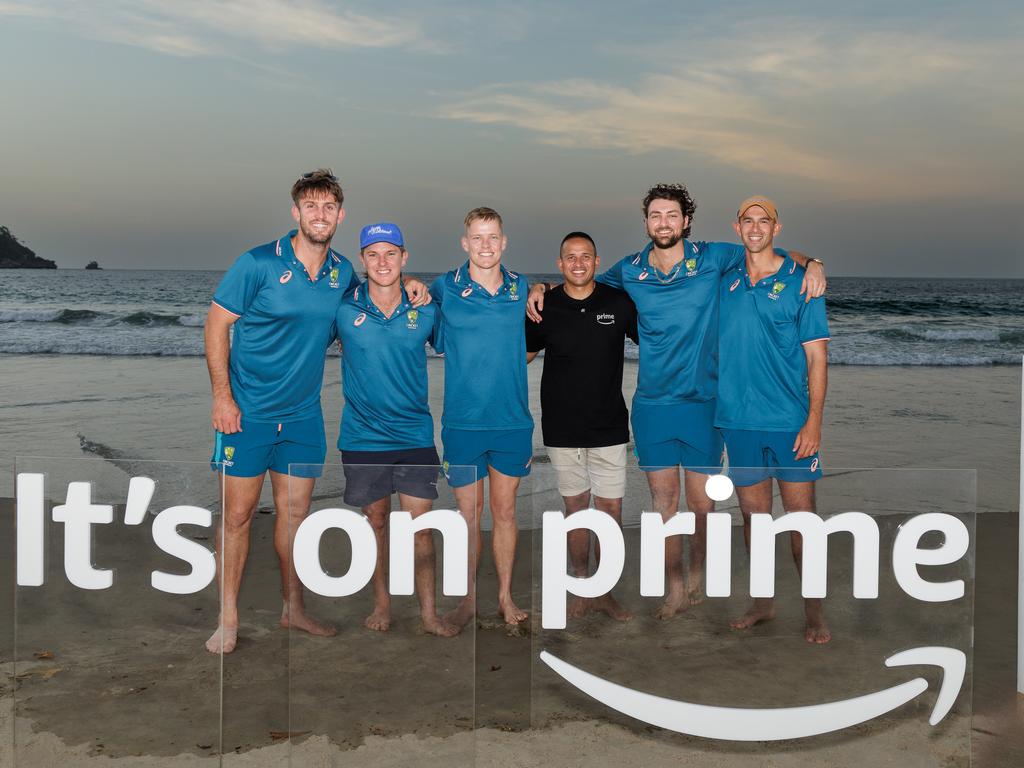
{"points": [[361, 297]]}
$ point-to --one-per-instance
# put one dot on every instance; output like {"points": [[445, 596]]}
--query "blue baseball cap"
{"points": [[384, 232]]}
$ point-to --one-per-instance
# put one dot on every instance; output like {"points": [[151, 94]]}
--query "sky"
{"points": [[167, 133]]}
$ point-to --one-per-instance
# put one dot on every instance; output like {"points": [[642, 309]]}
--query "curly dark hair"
{"points": [[321, 180], [677, 192]]}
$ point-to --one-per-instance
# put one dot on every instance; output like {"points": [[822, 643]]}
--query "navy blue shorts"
{"points": [[374, 475]]}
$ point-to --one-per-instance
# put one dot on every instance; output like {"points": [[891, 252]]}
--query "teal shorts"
{"points": [[275, 446], [469, 452], [677, 435], [755, 456]]}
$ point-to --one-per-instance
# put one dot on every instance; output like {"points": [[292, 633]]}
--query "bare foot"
{"points": [[695, 588], [578, 607], [763, 609], [609, 605], [434, 625], [510, 612], [463, 613], [296, 618], [223, 640], [379, 620], [817, 630], [674, 603]]}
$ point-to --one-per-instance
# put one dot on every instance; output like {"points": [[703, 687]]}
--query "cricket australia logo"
{"points": [[778, 288], [334, 277], [229, 455], [691, 267], [412, 316]]}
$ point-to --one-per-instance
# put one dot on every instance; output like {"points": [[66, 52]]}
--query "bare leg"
{"points": [[799, 497], [292, 496], [607, 603], [377, 513], [579, 552], [470, 500], [754, 498], [503, 543], [698, 502], [426, 573], [241, 495], [665, 489]]}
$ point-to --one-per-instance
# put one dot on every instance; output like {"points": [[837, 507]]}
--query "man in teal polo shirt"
{"points": [[772, 377], [486, 424], [281, 299], [387, 434]]}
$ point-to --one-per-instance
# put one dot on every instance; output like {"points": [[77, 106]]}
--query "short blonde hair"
{"points": [[483, 214]]}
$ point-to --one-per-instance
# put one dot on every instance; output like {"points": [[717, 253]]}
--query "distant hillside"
{"points": [[16, 255]]}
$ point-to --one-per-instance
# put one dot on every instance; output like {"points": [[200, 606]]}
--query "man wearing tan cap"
{"points": [[772, 376]]}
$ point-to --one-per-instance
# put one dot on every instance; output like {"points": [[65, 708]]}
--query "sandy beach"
{"points": [[120, 677]]}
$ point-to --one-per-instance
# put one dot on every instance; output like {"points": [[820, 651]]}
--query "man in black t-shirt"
{"points": [[583, 414]]}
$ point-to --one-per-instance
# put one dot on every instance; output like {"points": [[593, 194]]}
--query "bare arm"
{"points": [[417, 291], [814, 277], [225, 414], [530, 357], [808, 440]]}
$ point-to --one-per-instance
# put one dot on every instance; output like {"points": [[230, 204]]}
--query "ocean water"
{"points": [[874, 321]]}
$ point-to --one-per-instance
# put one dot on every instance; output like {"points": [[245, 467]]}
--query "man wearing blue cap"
{"points": [[387, 433], [280, 298]]}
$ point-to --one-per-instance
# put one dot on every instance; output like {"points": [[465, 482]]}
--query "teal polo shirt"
{"points": [[285, 324], [677, 320], [484, 342], [762, 380], [384, 373]]}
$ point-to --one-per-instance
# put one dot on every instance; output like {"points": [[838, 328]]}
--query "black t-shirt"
{"points": [[581, 386]]}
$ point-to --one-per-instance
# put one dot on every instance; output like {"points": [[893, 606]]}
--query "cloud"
{"points": [[875, 114], [221, 27]]}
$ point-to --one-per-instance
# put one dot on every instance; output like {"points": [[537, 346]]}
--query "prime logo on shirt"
{"points": [[605, 318]]}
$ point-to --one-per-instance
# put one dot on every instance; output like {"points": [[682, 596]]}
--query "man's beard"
{"points": [[666, 241], [315, 237]]}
